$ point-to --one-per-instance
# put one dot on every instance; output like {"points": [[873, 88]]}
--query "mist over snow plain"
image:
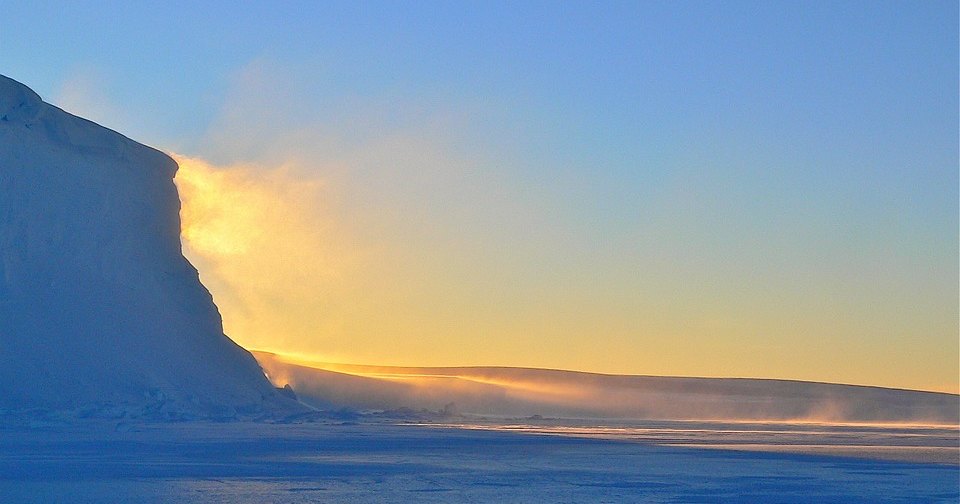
{"points": [[117, 384]]}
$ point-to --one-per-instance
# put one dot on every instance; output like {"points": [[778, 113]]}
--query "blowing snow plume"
{"points": [[99, 310], [546, 392], [261, 241]]}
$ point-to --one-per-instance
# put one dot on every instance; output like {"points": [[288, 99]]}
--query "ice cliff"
{"points": [[99, 310]]}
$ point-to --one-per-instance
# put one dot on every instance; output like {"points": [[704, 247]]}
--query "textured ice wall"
{"points": [[98, 307]]}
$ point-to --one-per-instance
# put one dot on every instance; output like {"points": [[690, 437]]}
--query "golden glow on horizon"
{"points": [[417, 374], [295, 271], [486, 387], [529, 389]]}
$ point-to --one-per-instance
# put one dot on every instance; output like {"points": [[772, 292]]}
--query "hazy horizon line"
{"points": [[308, 361]]}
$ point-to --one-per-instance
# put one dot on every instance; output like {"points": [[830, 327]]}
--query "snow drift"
{"points": [[99, 310]]}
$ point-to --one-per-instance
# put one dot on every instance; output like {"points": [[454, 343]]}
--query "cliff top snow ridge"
{"points": [[17, 102]]}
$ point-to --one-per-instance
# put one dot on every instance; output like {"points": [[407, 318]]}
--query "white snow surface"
{"points": [[376, 461], [100, 313]]}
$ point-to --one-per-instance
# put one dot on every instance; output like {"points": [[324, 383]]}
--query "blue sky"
{"points": [[738, 188]]}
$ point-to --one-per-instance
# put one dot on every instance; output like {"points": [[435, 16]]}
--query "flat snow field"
{"points": [[367, 461]]}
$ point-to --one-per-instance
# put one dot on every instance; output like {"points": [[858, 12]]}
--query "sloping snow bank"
{"points": [[547, 392]]}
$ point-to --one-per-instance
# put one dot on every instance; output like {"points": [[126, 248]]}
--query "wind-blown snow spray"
{"points": [[265, 246]]}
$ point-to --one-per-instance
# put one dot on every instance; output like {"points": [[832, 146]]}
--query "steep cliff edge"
{"points": [[99, 310]]}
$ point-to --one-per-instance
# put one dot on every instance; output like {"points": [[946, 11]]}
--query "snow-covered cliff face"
{"points": [[98, 307]]}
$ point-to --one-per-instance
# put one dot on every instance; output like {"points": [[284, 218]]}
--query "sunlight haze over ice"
{"points": [[770, 193]]}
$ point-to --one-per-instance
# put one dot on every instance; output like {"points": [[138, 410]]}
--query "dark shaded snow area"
{"points": [[99, 310], [379, 462]]}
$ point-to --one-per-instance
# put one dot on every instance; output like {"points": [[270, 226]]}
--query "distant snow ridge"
{"points": [[100, 313]]}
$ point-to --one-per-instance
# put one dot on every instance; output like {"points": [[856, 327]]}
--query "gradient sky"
{"points": [[709, 188]]}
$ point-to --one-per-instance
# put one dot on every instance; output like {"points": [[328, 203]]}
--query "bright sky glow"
{"points": [[763, 189]]}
